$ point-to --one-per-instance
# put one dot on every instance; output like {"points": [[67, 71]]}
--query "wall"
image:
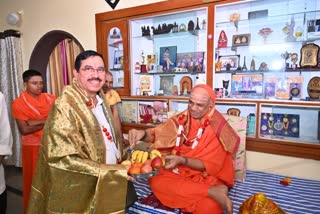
{"points": [[77, 18], [289, 166]]}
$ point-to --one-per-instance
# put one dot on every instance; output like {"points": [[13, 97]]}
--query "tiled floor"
{"points": [[14, 189]]}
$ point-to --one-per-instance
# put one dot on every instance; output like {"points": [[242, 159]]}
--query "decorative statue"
{"points": [[289, 30], [223, 40], [294, 59], [286, 56], [235, 17], [252, 65]]}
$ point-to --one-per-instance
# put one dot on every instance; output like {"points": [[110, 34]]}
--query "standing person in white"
{"points": [[5, 150]]}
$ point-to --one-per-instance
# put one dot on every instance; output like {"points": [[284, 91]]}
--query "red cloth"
{"points": [[189, 189]]}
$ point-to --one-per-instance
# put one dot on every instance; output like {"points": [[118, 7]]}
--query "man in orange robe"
{"points": [[31, 110], [199, 171]]}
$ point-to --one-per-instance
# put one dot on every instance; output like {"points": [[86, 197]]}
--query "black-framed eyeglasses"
{"points": [[89, 69]]}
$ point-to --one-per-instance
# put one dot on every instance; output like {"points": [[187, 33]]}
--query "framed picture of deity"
{"points": [[241, 40], [166, 84]]}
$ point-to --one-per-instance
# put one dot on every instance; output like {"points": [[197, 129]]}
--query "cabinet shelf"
{"points": [[271, 44], [117, 44], [177, 34], [270, 19], [276, 72], [169, 73]]}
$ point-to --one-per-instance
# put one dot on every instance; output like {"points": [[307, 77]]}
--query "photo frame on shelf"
{"points": [[247, 84], [151, 62], [166, 84], [145, 84], [192, 61], [241, 40], [118, 59], [229, 62], [168, 57]]}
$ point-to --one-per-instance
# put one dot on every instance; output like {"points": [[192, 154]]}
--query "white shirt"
{"points": [[112, 152], [5, 138]]}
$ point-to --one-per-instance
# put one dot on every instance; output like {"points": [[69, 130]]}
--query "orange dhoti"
{"points": [[186, 188], [175, 192]]}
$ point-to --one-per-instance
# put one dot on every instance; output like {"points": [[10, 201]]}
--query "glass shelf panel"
{"points": [[290, 123]]}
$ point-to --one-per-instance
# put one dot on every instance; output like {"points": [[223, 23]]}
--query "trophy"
{"points": [[143, 66]]}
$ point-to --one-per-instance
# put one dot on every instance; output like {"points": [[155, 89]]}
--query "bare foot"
{"points": [[220, 195]]}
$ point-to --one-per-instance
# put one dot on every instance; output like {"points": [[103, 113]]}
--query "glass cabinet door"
{"points": [[267, 49], [116, 53], [290, 123], [168, 53]]}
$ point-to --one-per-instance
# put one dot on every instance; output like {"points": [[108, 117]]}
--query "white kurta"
{"points": [[5, 138], [112, 152]]}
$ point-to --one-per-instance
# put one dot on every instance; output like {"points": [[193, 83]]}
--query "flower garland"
{"points": [[181, 133]]}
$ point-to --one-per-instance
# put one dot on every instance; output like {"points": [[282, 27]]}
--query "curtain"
{"points": [[11, 70], [61, 65]]}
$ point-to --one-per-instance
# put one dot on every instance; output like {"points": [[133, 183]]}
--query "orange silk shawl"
{"points": [[26, 107], [166, 133]]}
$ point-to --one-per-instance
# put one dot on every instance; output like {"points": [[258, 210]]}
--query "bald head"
{"points": [[200, 102], [200, 94]]}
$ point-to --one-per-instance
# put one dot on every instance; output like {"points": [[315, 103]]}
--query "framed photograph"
{"points": [[145, 84], [247, 84], [118, 59], [151, 61], [309, 55], [192, 61], [229, 62], [166, 84], [168, 57], [241, 40]]}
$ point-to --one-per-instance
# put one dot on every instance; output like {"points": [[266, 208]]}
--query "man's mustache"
{"points": [[95, 79]]}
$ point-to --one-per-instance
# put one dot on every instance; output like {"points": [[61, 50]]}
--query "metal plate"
{"points": [[144, 175]]}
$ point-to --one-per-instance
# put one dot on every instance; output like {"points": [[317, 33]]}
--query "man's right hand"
{"points": [[135, 135]]}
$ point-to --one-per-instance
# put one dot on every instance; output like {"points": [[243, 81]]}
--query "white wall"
{"points": [[77, 17], [288, 166]]}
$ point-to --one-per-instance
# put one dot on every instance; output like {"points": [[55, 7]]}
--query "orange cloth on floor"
{"points": [[26, 107], [29, 163], [189, 189]]}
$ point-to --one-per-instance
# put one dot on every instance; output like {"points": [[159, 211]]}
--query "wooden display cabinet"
{"points": [[265, 28]]}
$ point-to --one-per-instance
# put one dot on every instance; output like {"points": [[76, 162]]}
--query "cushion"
{"points": [[239, 124], [259, 203]]}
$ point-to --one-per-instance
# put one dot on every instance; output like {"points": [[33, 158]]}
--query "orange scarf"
{"points": [[27, 107]]}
